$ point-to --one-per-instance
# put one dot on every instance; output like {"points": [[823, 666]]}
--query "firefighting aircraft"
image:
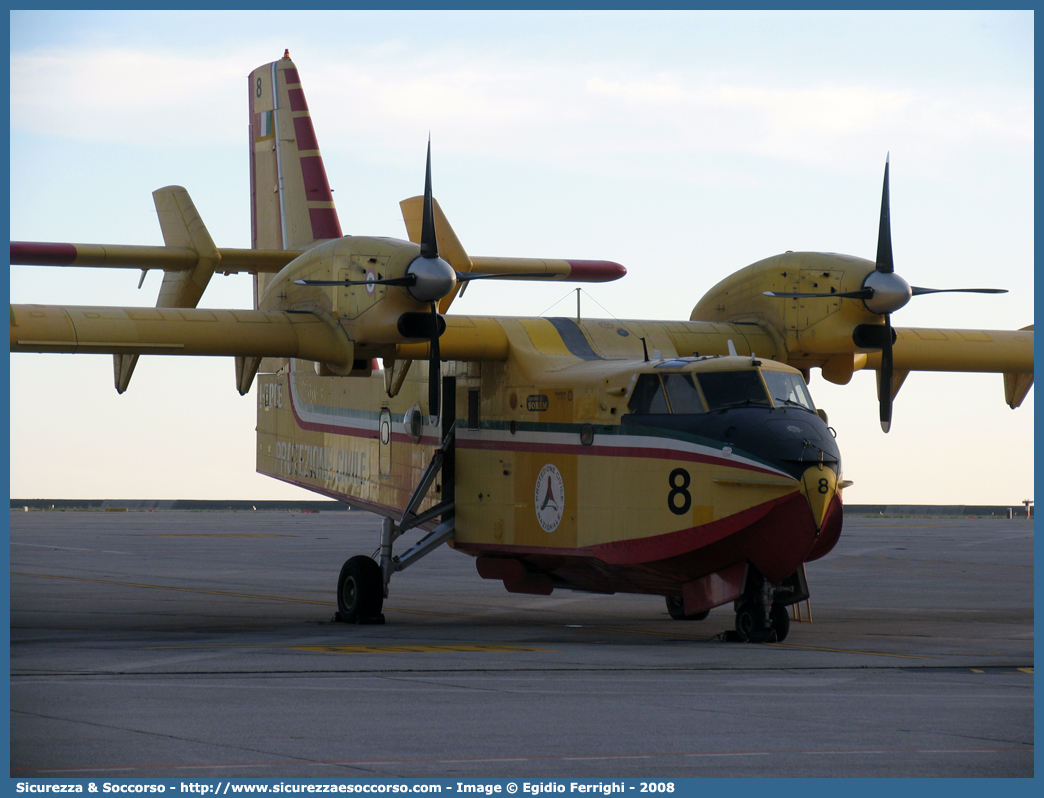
{"points": [[684, 459]]}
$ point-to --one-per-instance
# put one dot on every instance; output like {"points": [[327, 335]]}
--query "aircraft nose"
{"points": [[819, 484]]}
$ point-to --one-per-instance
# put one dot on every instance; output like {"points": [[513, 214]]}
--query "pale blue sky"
{"points": [[684, 145]]}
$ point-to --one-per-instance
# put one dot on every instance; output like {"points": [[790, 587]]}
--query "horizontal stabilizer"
{"points": [[169, 259]]}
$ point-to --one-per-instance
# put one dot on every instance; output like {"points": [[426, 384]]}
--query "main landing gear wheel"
{"points": [[780, 622], [360, 591], [676, 608]]}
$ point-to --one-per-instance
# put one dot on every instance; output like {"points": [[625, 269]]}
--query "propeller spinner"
{"points": [[428, 278], [885, 292]]}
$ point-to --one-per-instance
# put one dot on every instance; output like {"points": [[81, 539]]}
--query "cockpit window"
{"points": [[682, 393], [788, 389], [648, 396], [732, 389]]}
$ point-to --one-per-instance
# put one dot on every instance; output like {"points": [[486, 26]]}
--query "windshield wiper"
{"points": [[792, 403], [741, 403]]}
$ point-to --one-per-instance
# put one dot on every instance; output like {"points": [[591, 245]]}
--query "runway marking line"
{"points": [[1025, 670], [387, 648], [216, 535], [675, 635]]}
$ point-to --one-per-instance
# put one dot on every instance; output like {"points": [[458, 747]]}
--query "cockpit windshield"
{"points": [[696, 392], [788, 389], [682, 393], [732, 389]]}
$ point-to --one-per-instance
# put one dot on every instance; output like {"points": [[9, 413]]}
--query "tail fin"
{"points": [[181, 227], [291, 206]]}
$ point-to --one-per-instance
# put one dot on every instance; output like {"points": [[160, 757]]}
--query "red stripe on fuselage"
{"points": [[355, 432], [647, 549]]}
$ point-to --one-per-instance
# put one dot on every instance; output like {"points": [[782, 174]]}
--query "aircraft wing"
{"points": [[1008, 352], [175, 331], [922, 349]]}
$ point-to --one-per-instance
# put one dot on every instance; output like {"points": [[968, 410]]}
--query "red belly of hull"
{"points": [[776, 538]]}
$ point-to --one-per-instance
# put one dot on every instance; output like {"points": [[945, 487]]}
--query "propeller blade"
{"points": [[429, 244], [407, 280], [862, 293], [884, 231], [434, 366], [918, 291], [886, 377]]}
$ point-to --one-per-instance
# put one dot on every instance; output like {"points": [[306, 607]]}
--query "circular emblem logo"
{"points": [[370, 282], [549, 498]]}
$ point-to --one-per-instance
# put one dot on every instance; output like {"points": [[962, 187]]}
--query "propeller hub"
{"points": [[435, 278], [891, 292]]}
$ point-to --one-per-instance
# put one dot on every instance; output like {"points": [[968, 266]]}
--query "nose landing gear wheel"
{"points": [[780, 622], [360, 591], [750, 625], [676, 608]]}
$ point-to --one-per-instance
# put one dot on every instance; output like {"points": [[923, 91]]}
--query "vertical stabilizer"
{"points": [[291, 206], [182, 227]]}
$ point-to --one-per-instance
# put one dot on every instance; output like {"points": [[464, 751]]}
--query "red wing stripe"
{"points": [[30, 253], [594, 271]]}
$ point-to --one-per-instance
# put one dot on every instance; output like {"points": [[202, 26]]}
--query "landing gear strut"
{"points": [[363, 583]]}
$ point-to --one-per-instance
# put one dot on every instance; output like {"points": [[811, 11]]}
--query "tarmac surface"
{"points": [[201, 644]]}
